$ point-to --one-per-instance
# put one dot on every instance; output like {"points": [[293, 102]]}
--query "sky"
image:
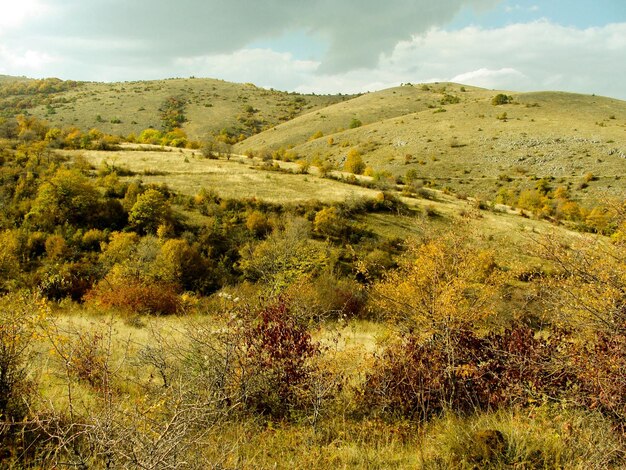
{"points": [[323, 46]]}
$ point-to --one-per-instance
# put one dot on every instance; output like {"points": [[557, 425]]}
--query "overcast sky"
{"points": [[323, 46]]}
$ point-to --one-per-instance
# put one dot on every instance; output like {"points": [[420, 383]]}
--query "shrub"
{"points": [[20, 317], [462, 372], [277, 353], [354, 163], [500, 99], [135, 296]]}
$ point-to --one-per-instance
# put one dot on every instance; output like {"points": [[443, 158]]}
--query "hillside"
{"points": [[162, 305], [460, 140], [129, 107]]}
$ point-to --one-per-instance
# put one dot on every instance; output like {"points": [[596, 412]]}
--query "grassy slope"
{"points": [[467, 147], [186, 171], [212, 105]]}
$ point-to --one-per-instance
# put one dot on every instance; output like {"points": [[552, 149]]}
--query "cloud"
{"points": [[521, 57], [263, 67], [488, 78], [29, 61], [530, 56], [15, 13], [357, 32], [370, 45]]}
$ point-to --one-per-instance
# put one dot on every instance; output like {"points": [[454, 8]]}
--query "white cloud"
{"points": [[488, 78], [371, 45], [533, 56], [29, 61], [17, 12], [356, 32], [263, 67], [536, 55]]}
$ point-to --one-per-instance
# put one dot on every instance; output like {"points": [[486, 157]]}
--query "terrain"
{"points": [[461, 140], [430, 276], [130, 107]]}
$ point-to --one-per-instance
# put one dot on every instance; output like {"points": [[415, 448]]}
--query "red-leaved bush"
{"points": [[463, 372]]}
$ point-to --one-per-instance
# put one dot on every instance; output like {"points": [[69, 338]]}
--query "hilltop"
{"points": [[444, 135], [454, 136], [129, 107]]}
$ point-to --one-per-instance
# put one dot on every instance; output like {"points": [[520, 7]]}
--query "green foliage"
{"points": [[500, 99], [68, 197], [149, 212], [283, 257], [173, 113], [355, 123]]}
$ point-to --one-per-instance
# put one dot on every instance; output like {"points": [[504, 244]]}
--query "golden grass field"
{"points": [[187, 171]]}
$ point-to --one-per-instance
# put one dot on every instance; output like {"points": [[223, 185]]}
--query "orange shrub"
{"points": [[136, 296]]}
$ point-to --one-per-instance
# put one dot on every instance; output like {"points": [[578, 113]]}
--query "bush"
{"points": [[20, 318], [277, 353], [500, 99], [354, 163], [462, 372], [135, 296]]}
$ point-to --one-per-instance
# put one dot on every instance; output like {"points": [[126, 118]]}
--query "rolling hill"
{"points": [[455, 137], [129, 107], [445, 135]]}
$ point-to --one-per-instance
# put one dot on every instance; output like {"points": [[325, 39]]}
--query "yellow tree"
{"points": [[439, 286], [588, 289], [354, 163]]}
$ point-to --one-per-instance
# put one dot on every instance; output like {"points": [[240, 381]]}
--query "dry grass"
{"points": [[212, 105], [466, 147], [235, 178]]}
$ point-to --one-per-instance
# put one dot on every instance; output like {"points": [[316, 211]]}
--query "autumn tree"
{"points": [[283, 257], [354, 162], [588, 287], [329, 222], [172, 113], [440, 285], [149, 211], [68, 197]]}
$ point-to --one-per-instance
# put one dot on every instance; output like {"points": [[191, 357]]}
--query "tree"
{"points": [[283, 257], [329, 223], [439, 286], [500, 99], [588, 289], [151, 210], [68, 197], [354, 163], [172, 113]]}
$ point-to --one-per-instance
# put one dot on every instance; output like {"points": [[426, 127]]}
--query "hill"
{"points": [[129, 107], [454, 136]]}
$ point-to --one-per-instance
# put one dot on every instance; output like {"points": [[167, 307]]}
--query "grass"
{"points": [[235, 178], [212, 105], [552, 135], [545, 436], [187, 172]]}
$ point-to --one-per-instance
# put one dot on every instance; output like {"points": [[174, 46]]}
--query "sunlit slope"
{"points": [[474, 146], [211, 105]]}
